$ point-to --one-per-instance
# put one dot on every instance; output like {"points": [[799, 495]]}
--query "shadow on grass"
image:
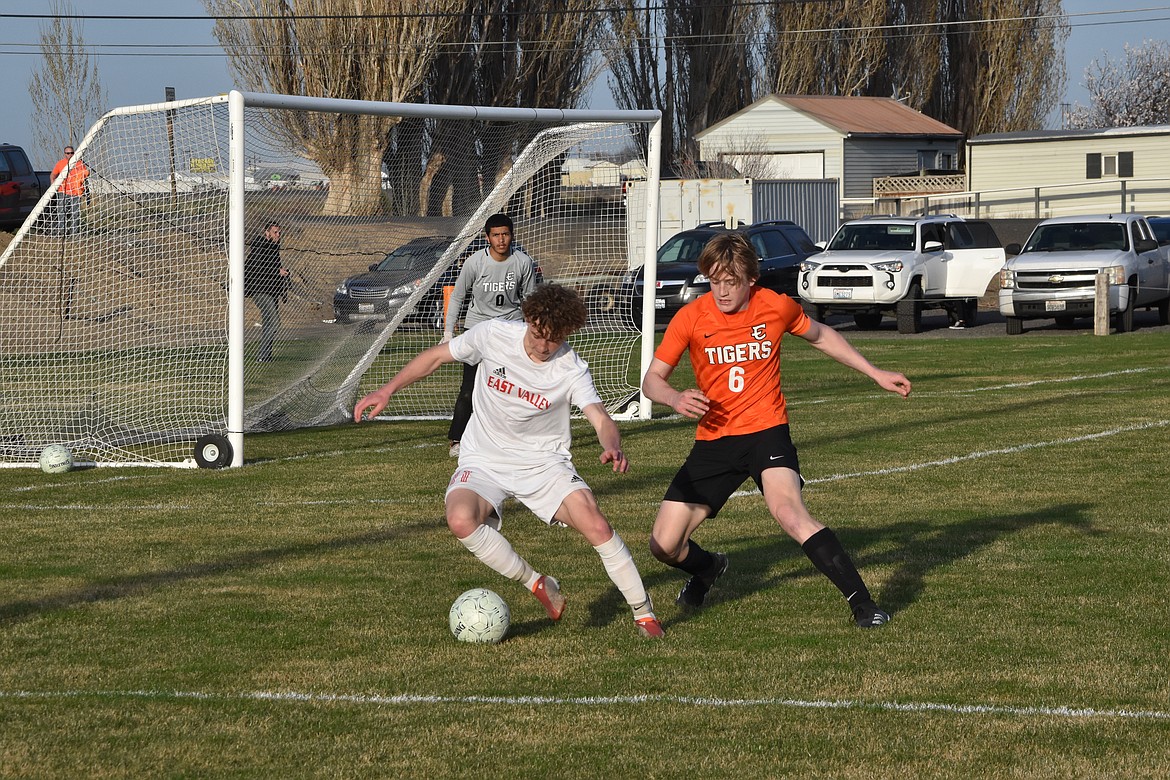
{"points": [[920, 547], [137, 584]]}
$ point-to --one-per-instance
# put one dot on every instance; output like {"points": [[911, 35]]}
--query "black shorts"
{"points": [[715, 469]]}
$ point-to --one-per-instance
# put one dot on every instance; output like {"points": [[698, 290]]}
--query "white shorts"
{"points": [[542, 489]]}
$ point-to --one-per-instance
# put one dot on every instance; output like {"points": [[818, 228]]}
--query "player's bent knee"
{"points": [[462, 525], [664, 554]]}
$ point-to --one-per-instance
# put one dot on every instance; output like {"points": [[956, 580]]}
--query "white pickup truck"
{"points": [[902, 265], [1054, 275]]}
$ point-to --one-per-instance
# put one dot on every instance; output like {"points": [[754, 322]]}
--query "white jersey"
{"points": [[521, 406]]}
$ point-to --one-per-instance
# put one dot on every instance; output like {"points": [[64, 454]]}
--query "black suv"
{"points": [[781, 245]]}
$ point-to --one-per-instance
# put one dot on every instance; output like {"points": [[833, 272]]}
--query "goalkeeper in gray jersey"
{"points": [[497, 278]]}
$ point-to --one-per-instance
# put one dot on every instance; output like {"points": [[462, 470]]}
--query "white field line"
{"points": [[974, 455], [426, 445], [407, 699], [910, 467]]}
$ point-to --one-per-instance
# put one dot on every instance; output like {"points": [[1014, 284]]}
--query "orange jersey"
{"points": [[74, 183], [736, 359]]}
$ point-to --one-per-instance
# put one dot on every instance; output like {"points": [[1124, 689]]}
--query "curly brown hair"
{"points": [[731, 253], [557, 312]]}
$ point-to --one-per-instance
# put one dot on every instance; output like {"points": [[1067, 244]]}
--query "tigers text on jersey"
{"points": [[521, 406], [496, 287], [736, 359]]}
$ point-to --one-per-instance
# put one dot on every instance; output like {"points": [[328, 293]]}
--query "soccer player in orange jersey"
{"points": [[733, 337]]}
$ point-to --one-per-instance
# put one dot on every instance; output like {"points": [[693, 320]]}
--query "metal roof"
{"points": [[853, 116], [867, 115], [1060, 135]]}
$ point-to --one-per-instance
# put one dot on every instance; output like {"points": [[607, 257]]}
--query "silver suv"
{"points": [[902, 265]]}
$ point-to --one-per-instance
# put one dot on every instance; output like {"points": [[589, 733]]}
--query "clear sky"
{"points": [[138, 59]]}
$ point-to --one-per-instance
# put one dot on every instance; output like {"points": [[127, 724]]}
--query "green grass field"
{"points": [[288, 619]]}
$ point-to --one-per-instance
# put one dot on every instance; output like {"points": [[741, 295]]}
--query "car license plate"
{"points": [[1053, 305], [366, 308], [659, 303], [840, 293]]}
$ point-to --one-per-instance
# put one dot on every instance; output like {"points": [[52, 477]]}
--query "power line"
{"points": [[892, 31]]}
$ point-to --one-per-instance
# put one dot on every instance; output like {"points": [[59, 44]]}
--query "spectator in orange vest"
{"points": [[71, 191]]}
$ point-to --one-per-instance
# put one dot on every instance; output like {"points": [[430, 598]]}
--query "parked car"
{"points": [[781, 244], [902, 265], [1161, 228], [379, 293], [1054, 275], [20, 186]]}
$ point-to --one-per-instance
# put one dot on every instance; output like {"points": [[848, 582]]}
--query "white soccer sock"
{"points": [[490, 546], [620, 567]]}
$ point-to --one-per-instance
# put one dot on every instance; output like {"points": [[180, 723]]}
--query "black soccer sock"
{"points": [[698, 562], [826, 553]]}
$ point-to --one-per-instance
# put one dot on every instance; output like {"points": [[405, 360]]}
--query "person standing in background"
{"points": [[70, 192], [498, 278], [265, 282]]}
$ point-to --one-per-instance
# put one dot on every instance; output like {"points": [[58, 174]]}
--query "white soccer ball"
{"points": [[56, 459], [479, 615]]}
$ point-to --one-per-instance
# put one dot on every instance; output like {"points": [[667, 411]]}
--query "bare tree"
{"points": [[978, 65], [353, 49], [526, 53], [694, 60], [67, 94], [1130, 93]]}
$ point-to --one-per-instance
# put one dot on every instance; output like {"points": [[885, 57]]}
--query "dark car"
{"points": [[781, 244], [379, 293], [1161, 228]]}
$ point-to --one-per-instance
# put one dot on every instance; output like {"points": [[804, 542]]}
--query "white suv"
{"points": [[902, 265]]}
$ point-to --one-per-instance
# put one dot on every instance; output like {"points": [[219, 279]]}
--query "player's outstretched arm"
{"points": [[835, 346], [608, 435], [421, 365], [656, 385]]}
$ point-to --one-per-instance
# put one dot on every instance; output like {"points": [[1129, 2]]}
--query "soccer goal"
{"points": [[130, 340]]}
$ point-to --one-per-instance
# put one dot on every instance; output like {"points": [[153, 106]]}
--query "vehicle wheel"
{"points": [[1125, 316], [1015, 326], [1065, 322], [868, 320], [1164, 311], [910, 309], [213, 451]]}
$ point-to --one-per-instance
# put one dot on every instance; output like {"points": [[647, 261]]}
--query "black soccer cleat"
{"points": [[695, 591], [870, 615]]}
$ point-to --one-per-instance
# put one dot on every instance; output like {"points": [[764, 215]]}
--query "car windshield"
{"points": [[410, 257], [682, 248], [1076, 236], [874, 237]]}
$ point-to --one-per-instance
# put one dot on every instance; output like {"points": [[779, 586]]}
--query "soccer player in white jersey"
{"points": [[517, 443]]}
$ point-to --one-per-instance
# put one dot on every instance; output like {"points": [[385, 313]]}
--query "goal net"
{"points": [[126, 334]]}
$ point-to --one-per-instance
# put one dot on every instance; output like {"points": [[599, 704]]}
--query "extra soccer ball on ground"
{"points": [[479, 615], [56, 459]]}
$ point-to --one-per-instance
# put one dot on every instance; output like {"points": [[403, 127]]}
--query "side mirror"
{"points": [[1012, 249], [932, 246]]}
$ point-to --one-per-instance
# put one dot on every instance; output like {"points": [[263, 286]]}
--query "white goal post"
{"points": [[128, 335]]}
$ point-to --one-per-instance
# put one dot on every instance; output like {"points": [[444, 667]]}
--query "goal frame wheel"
{"points": [[213, 451]]}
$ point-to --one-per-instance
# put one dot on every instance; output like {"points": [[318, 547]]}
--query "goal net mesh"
{"points": [[114, 329]]}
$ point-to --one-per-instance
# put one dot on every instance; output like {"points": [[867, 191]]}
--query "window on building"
{"points": [[1093, 166]]}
